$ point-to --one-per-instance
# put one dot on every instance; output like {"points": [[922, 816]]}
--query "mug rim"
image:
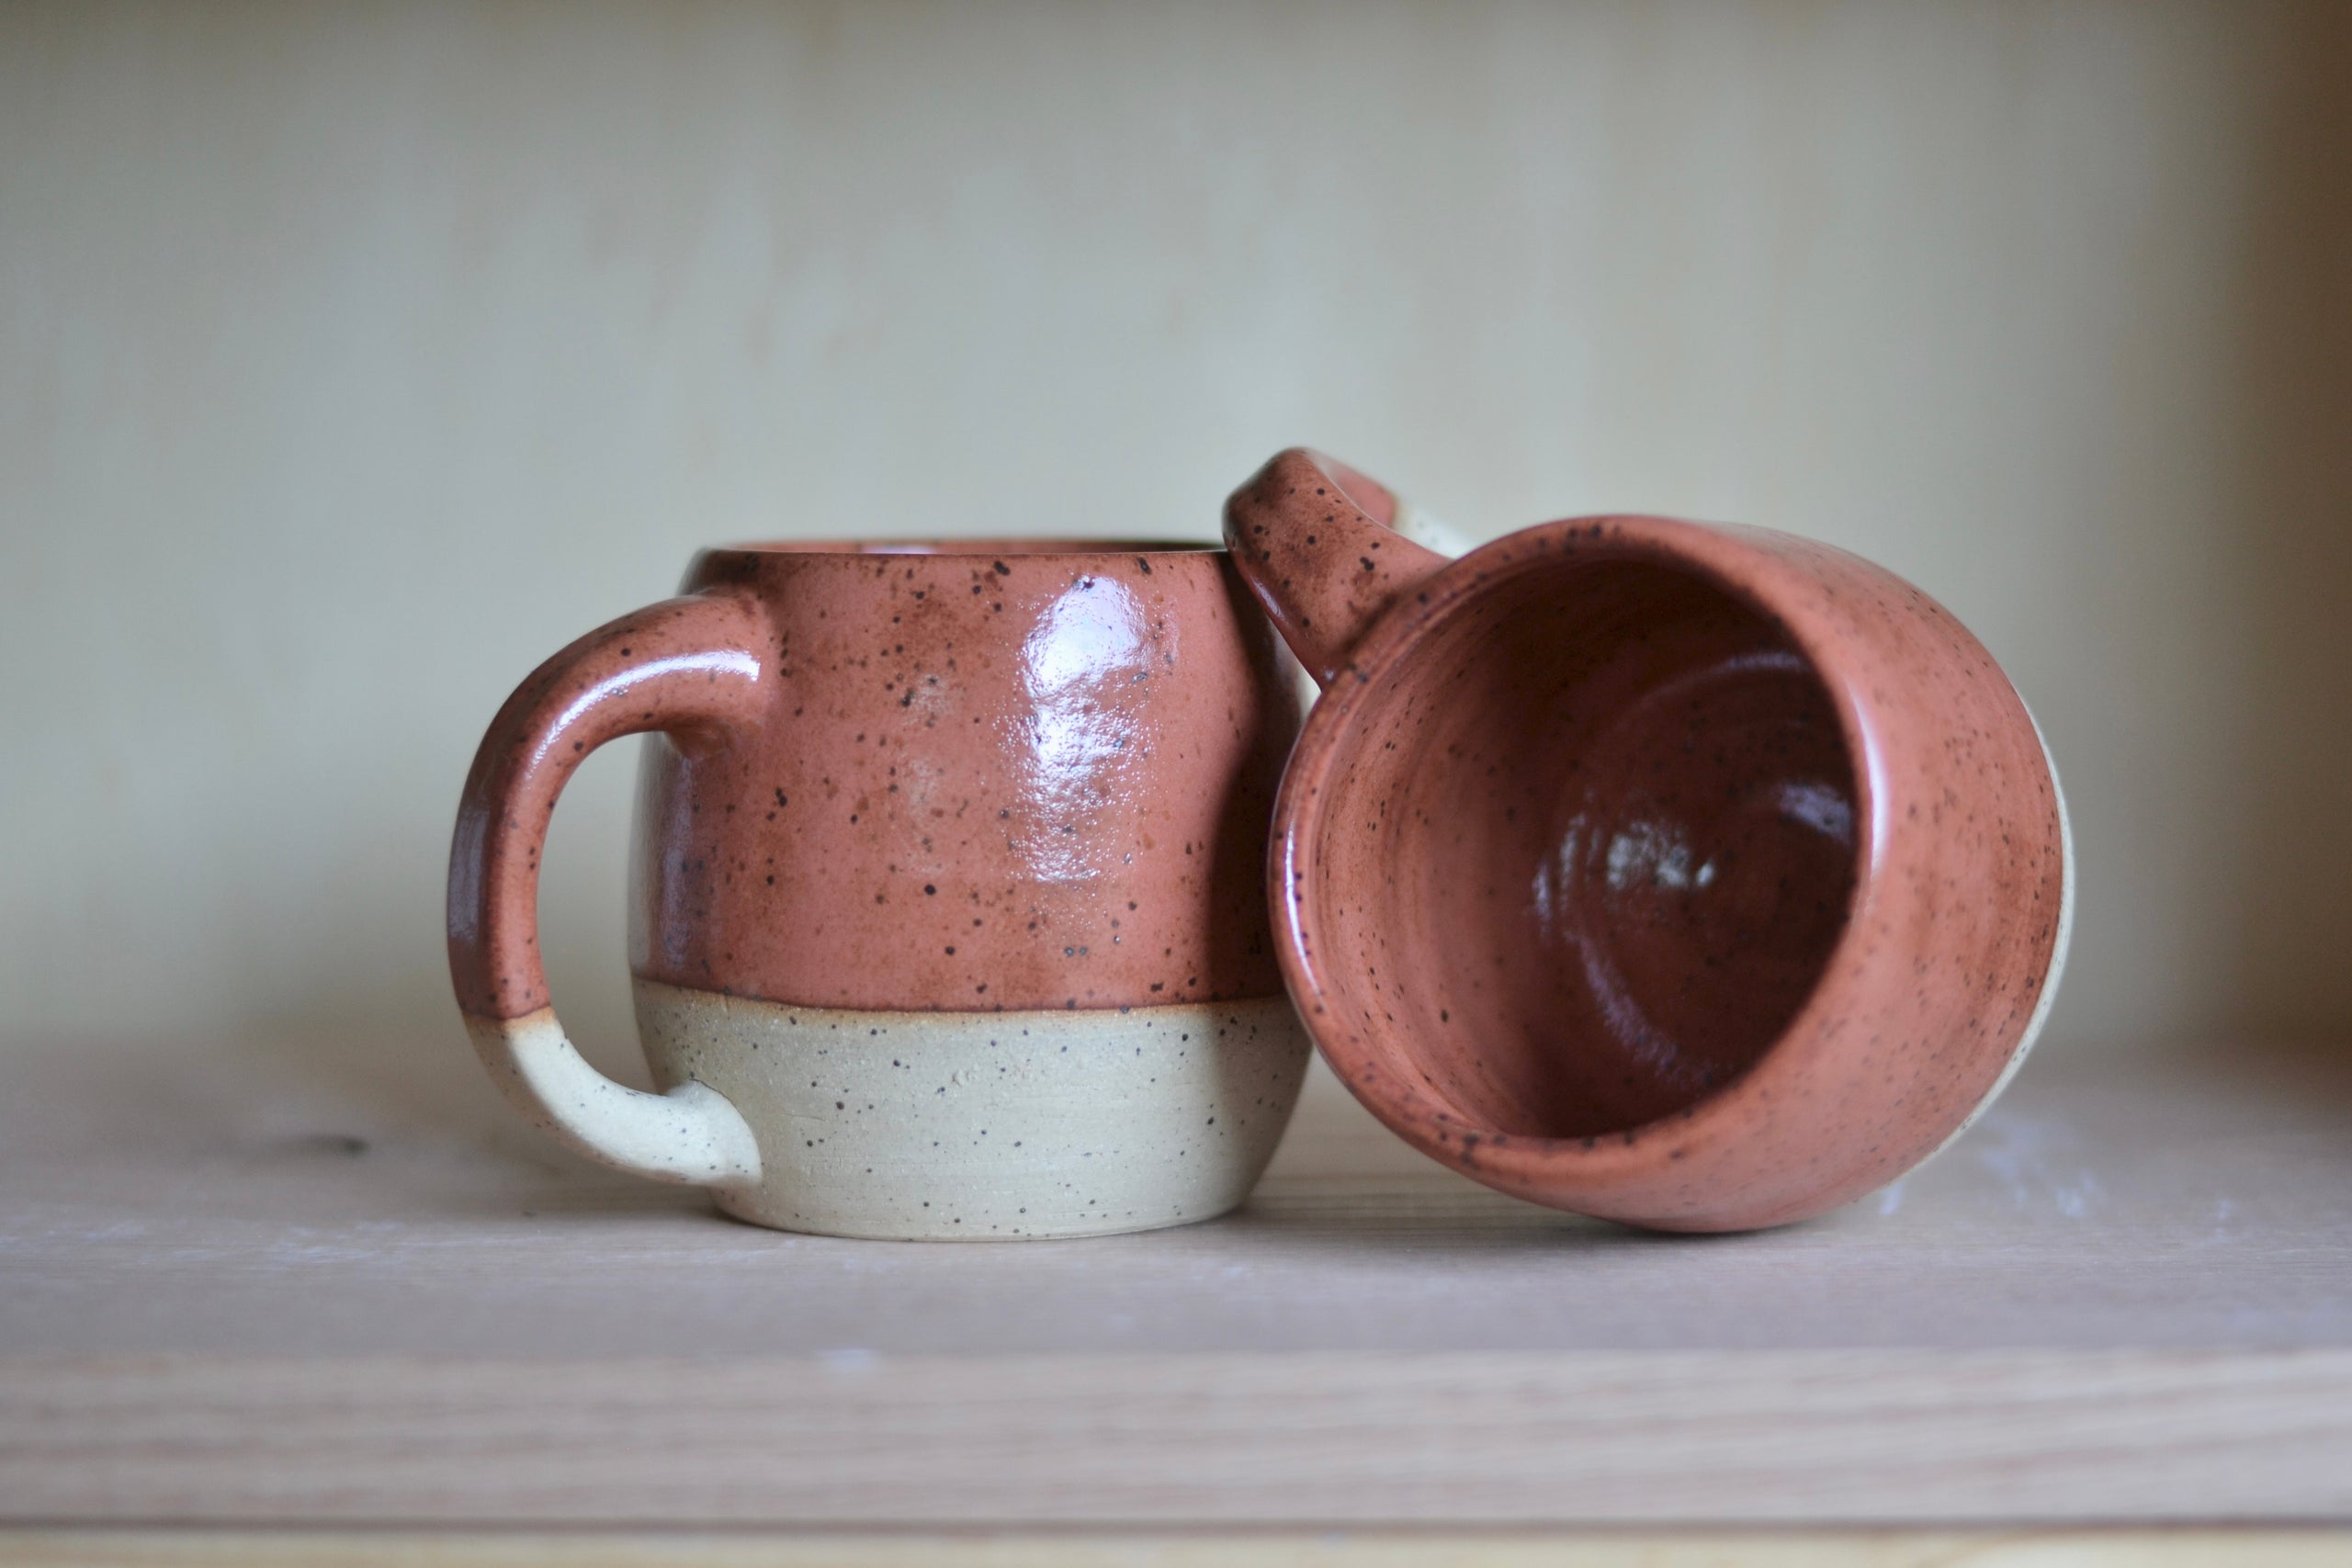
{"points": [[933, 546], [1720, 556]]}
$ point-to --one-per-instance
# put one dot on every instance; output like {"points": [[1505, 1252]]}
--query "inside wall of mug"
{"points": [[1599, 848]]}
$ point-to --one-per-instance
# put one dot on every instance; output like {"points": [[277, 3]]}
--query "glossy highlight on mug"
{"points": [[1080, 745]]}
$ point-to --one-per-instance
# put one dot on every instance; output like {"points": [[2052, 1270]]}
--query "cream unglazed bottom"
{"points": [[927, 1125], [945, 1125]]}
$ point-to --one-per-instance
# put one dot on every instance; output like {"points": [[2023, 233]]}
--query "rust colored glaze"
{"points": [[1699, 877], [966, 777]]}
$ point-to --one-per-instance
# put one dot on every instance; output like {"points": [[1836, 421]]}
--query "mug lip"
{"points": [[1556, 1169], [986, 547]]}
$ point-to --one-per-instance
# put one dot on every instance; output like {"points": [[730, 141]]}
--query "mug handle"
{"points": [[688, 668], [1321, 546]]}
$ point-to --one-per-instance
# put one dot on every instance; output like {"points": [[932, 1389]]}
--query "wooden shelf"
{"points": [[321, 1281]]}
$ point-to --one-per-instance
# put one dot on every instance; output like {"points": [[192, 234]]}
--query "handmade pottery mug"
{"points": [[948, 907], [1699, 877]]}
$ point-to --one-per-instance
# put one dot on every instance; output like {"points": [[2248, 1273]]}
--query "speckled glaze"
{"points": [[1699, 877], [981, 778], [958, 1126], [1400, 516]]}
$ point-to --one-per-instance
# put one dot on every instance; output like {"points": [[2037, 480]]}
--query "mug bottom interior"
{"points": [[987, 1126], [1582, 865]]}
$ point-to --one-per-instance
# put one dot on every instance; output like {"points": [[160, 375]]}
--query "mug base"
{"points": [[962, 1126]]}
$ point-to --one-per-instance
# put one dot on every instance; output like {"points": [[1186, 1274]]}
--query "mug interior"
{"points": [[1586, 860]]}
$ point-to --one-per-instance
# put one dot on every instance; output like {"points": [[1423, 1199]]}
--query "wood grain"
{"points": [[347, 1299], [1320, 1438], [2241, 1547]]}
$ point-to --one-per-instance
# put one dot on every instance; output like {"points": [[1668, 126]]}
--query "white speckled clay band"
{"points": [[690, 1135], [2058, 947], [987, 1126]]}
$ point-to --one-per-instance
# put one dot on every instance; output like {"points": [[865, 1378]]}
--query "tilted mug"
{"points": [[1701, 878]]}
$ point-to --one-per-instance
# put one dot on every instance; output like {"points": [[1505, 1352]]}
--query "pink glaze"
{"points": [[1700, 877], [968, 777]]}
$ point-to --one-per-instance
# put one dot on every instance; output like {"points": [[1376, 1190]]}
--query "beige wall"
{"points": [[350, 361]]}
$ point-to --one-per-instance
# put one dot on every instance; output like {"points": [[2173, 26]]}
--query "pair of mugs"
{"points": [[1697, 878]]}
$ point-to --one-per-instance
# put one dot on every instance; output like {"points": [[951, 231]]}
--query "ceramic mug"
{"points": [[948, 909], [1697, 878]]}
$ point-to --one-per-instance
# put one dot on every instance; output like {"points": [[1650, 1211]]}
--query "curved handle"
{"points": [[1316, 543], [687, 667]]}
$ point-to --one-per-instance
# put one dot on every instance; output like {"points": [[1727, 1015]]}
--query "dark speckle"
{"points": [[347, 1145]]}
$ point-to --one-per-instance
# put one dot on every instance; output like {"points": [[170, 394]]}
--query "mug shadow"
{"points": [[1341, 1181], [1406, 1219]]}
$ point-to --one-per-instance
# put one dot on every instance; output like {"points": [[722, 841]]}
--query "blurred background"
{"points": [[353, 359]]}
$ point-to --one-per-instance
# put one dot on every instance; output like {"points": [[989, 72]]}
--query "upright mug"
{"points": [[948, 911]]}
